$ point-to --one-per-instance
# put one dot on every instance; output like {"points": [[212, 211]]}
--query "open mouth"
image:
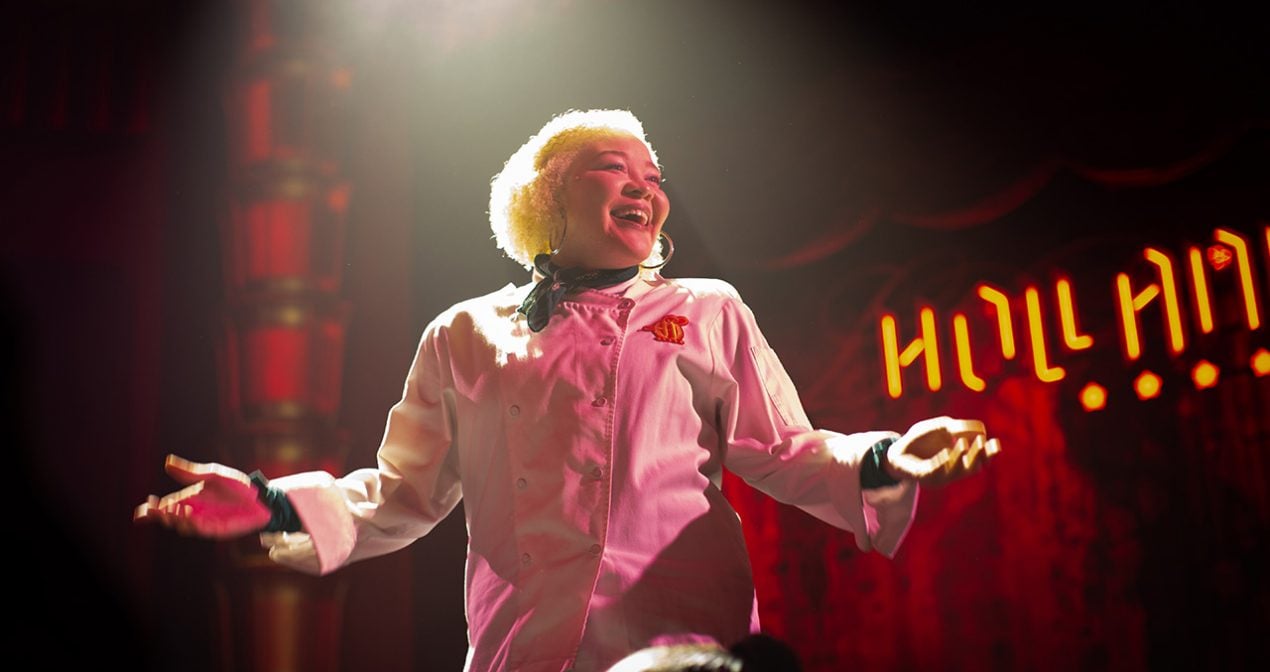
{"points": [[634, 215]]}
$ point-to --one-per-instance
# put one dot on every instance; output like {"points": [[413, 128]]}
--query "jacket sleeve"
{"points": [[370, 512], [767, 440]]}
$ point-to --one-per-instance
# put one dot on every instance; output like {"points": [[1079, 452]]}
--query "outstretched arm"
{"points": [[866, 482], [218, 502], [366, 513]]}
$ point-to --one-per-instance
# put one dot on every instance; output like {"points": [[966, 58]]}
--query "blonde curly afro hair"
{"points": [[526, 212]]}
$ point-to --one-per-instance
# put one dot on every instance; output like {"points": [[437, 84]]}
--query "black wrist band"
{"points": [[282, 516], [872, 473]]}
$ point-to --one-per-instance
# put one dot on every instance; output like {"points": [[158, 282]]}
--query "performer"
{"points": [[586, 418]]}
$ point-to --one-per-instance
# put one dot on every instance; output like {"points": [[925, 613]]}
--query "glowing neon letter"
{"points": [[1131, 304], [1171, 313], [1244, 263], [1199, 283], [1002, 304], [961, 335], [924, 345], [1067, 317], [1044, 372]]}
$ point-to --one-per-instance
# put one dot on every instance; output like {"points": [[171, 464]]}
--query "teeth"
{"points": [[627, 213]]}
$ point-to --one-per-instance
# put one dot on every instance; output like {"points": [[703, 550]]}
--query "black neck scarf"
{"points": [[557, 282]]}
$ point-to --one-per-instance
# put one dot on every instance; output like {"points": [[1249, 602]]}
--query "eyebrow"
{"points": [[626, 156]]}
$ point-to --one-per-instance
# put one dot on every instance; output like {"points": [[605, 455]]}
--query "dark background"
{"points": [[832, 163]]}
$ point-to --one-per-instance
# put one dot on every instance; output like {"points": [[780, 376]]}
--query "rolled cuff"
{"points": [[329, 533], [888, 515], [879, 517]]}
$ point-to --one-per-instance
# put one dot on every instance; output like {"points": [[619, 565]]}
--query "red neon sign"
{"points": [[1230, 253]]}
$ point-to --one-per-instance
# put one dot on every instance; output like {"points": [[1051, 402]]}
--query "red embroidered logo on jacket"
{"points": [[669, 329]]}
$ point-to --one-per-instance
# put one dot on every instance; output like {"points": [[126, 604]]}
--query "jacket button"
{"points": [[525, 559], [597, 472], [595, 549], [514, 410], [521, 484], [625, 304], [600, 401], [607, 340]]}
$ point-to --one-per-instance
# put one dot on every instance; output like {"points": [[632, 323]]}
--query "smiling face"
{"points": [[614, 205]]}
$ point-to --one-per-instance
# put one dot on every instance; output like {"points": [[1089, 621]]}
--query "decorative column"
{"points": [[282, 346]]}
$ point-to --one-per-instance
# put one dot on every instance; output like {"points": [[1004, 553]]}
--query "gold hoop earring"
{"points": [[564, 230], [670, 252]]}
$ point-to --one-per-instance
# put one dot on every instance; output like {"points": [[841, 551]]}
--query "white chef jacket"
{"points": [[590, 456]]}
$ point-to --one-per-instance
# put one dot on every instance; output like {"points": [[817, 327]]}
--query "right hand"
{"points": [[937, 451], [219, 503]]}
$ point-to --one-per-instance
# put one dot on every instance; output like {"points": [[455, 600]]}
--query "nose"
{"points": [[636, 188]]}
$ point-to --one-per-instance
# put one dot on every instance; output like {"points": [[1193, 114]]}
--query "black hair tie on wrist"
{"points": [[872, 474], [282, 515]]}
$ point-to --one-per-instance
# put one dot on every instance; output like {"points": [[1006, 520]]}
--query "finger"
{"points": [[189, 472], [145, 510], [959, 448], [953, 469], [168, 501], [183, 470], [971, 427], [973, 453], [150, 513]]}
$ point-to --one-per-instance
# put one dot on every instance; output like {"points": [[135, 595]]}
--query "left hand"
{"points": [[941, 450]]}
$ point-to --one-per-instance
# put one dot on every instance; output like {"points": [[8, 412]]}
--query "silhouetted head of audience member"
{"points": [[756, 653], [680, 658], [764, 653]]}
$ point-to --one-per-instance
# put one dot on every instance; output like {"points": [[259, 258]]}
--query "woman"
{"points": [[586, 418]]}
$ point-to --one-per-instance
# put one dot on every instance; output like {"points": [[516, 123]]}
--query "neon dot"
{"points": [[1147, 385], [1220, 256], [1204, 374], [1261, 362], [1093, 397]]}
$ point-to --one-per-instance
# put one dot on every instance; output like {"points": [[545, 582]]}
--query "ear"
{"points": [[557, 229]]}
